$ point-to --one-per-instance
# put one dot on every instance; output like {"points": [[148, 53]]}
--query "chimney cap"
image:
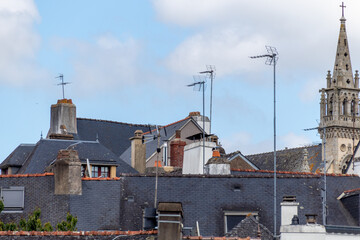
{"points": [[64, 100], [138, 133], [311, 218], [193, 114]]}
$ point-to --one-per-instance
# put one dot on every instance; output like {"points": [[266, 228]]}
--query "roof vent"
{"points": [[311, 218], [289, 199]]}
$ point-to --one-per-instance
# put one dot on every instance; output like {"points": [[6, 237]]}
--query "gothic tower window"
{"points": [[353, 107], [343, 107]]}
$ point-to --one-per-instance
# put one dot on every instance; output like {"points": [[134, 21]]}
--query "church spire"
{"points": [[342, 74]]}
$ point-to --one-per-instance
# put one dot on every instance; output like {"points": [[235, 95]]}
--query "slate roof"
{"points": [[289, 159], [18, 156], [46, 150], [113, 135], [239, 161], [250, 227], [166, 135]]}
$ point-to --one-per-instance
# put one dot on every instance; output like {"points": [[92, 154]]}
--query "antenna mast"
{"points": [[211, 74], [199, 82], [61, 76], [271, 59]]}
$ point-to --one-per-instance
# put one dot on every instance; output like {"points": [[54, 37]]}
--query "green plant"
{"points": [[10, 227], [47, 227], [34, 222], [2, 226], [68, 225], [1, 206], [22, 224]]}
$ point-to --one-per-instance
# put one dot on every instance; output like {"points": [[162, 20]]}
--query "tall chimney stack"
{"points": [[289, 209], [138, 152], [62, 119], [170, 221], [67, 173], [177, 150]]}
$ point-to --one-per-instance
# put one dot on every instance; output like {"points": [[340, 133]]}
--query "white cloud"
{"points": [[310, 90], [291, 140], [19, 43], [244, 142], [227, 49], [228, 31]]}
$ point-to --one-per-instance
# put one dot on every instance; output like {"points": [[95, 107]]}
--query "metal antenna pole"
{"points": [[271, 59], [61, 77], [199, 82], [157, 165], [275, 213], [324, 197], [323, 193], [211, 76], [203, 132], [211, 73]]}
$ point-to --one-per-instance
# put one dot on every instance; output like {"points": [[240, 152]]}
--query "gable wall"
{"points": [[39, 193], [188, 130]]}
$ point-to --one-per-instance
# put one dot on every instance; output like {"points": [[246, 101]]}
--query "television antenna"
{"points": [[61, 77], [210, 72], [271, 59], [149, 138], [198, 84], [323, 190]]}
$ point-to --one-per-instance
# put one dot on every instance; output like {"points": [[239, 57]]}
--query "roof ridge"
{"points": [[168, 125], [295, 173], [282, 150], [27, 175], [352, 190], [235, 152], [109, 121], [27, 145]]}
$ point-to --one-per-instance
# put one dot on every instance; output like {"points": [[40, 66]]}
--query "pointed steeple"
{"points": [[342, 74]]}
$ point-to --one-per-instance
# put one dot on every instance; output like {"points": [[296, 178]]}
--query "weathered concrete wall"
{"points": [[67, 171]]}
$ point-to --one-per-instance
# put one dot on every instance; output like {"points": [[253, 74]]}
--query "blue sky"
{"points": [[130, 61]]}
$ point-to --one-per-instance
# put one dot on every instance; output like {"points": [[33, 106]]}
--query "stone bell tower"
{"points": [[339, 108]]}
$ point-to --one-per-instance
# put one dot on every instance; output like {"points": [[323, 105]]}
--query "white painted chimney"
{"points": [[289, 208], [217, 165], [193, 157], [200, 119]]}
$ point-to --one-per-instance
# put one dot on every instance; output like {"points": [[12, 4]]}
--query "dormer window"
{"points": [[100, 171]]}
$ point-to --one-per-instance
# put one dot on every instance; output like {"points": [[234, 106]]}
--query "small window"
{"points": [[99, 171], [13, 198], [95, 171], [233, 218]]}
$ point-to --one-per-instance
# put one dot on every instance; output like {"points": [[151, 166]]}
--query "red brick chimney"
{"points": [[177, 150]]}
